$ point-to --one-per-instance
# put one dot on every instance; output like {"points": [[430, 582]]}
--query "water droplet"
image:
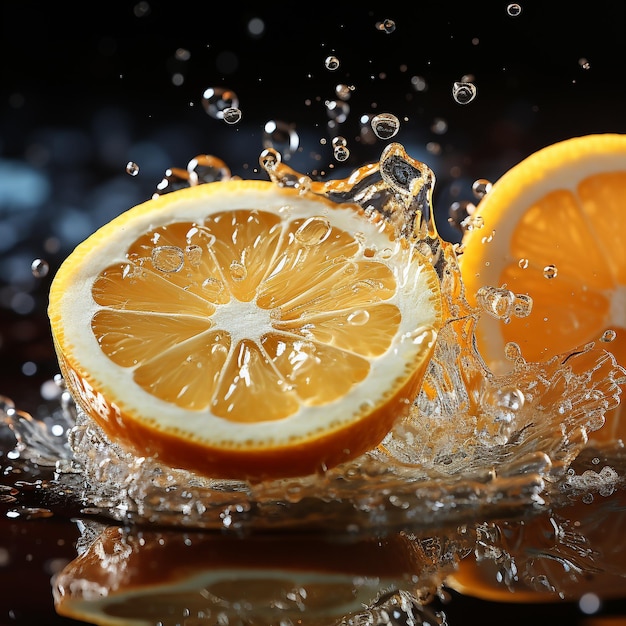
{"points": [[175, 178], [168, 258], [358, 317], [550, 271], [269, 159], [339, 141], [344, 91], [132, 168], [331, 63], [608, 336], [341, 153], [213, 286], [282, 137], [206, 168], [481, 187], [194, 254], [523, 264], [460, 215], [523, 305], [386, 26], [419, 83], [313, 231], [337, 111], [216, 100], [385, 125], [584, 63], [514, 9], [512, 351], [39, 268], [238, 271], [439, 126], [231, 115], [463, 93], [496, 301]]}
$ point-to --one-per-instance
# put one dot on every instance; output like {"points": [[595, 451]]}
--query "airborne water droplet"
{"points": [[385, 125], [132, 168], [216, 100], [514, 9], [523, 264], [282, 137], [39, 268], [481, 187], [231, 115], [341, 153], [463, 93], [331, 63], [387, 26]]}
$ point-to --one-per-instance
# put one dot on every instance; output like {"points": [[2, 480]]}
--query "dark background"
{"points": [[87, 87]]}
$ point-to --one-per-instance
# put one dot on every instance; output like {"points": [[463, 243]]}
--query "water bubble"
{"points": [[269, 159], [238, 271], [132, 168], [512, 351], [497, 301], [39, 268], [358, 317], [331, 63], [313, 231], [460, 215], [337, 111], [608, 336], [589, 603], [481, 187], [213, 287], [205, 168], [193, 254], [463, 93], [419, 83], [282, 137], [341, 153], [175, 178], [550, 271], [523, 305], [514, 9], [182, 54], [168, 258], [523, 264], [231, 115], [216, 100], [385, 125], [584, 63], [387, 26], [439, 126], [343, 92]]}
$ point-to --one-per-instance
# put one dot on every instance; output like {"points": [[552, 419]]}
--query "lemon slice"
{"points": [[243, 330], [551, 227]]}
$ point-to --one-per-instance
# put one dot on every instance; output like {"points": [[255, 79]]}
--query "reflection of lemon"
{"points": [[245, 331], [175, 578], [562, 555], [553, 227]]}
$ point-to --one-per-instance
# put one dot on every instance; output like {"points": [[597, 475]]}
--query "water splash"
{"points": [[474, 444]]}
